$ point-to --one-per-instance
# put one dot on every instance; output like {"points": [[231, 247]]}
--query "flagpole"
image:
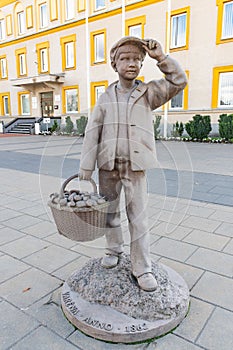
{"points": [[168, 34], [87, 58]]}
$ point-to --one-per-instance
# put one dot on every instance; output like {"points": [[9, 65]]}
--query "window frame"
{"points": [[67, 12], [93, 47], [21, 22], [2, 105], [215, 88], [41, 25], [64, 104], [20, 106], [219, 39], [3, 29], [21, 53], [96, 8], [63, 41], [3, 59], [39, 48], [175, 13], [93, 87], [184, 98], [132, 22]]}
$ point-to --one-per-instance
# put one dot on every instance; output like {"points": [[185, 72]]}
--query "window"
{"points": [[3, 67], [180, 29], [21, 22], [225, 21], [69, 9], [97, 89], [99, 4], [43, 12], [222, 87], [69, 50], [135, 26], [98, 47], [24, 103], [21, 64], [180, 101], [68, 46], [5, 104], [2, 29], [70, 99], [43, 57]]}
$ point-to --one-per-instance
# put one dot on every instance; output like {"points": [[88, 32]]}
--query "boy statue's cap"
{"points": [[127, 40]]}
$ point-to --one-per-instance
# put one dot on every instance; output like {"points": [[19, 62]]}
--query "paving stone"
{"points": [[175, 218], [10, 267], [217, 262], [225, 229], [28, 287], [87, 343], [215, 289], [24, 246], [64, 272], [51, 258], [229, 247], [172, 249], [199, 211], [8, 234], [14, 324], [21, 222], [206, 239], [173, 342], [189, 273], [18, 204], [35, 210], [218, 332], [41, 229], [50, 314], [192, 325], [92, 249], [170, 230], [60, 240], [6, 214], [201, 223], [43, 338]]}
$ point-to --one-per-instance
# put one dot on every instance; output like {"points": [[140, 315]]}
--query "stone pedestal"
{"points": [[107, 304]]}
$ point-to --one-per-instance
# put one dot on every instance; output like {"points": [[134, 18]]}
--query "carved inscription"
{"points": [[136, 328], [97, 324], [70, 304]]}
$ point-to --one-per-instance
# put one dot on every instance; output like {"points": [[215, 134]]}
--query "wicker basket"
{"points": [[79, 224]]}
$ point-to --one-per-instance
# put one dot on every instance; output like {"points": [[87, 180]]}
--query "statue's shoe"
{"points": [[109, 261], [147, 282]]}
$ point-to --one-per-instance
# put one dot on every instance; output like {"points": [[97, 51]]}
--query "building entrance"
{"points": [[46, 102]]}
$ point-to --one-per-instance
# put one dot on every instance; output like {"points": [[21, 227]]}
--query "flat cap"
{"points": [[124, 41]]}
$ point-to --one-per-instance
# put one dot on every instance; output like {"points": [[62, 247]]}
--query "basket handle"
{"points": [[72, 178]]}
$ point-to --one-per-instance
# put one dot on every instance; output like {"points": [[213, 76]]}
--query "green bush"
{"points": [[225, 123], [200, 127], [177, 129], [81, 124], [69, 125], [55, 126], [156, 126]]}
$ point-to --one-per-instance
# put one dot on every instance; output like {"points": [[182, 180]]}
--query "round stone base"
{"points": [[161, 311]]}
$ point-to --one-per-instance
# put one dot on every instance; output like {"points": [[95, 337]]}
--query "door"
{"points": [[46, 104]]}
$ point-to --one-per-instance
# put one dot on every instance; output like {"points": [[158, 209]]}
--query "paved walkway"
{"points": [[191, 220]]}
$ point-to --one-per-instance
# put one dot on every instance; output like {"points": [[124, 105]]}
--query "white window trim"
{"points": [[66, 95], [3, 29], [21, 102], [21, 23], [219, 90], [96, 37], [43, 15], [177, 45], [224, 19], [3, 68]]}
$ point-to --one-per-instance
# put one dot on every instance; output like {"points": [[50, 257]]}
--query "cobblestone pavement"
{"points": [[191, 220]]}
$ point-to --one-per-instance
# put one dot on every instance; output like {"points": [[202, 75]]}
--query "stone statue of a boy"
{"points": [[120, 137]]}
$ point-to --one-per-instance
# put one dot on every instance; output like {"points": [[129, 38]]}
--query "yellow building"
{"points": [[54, 54]]}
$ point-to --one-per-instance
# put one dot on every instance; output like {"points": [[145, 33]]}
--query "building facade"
{"points": [[54, 54]]}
